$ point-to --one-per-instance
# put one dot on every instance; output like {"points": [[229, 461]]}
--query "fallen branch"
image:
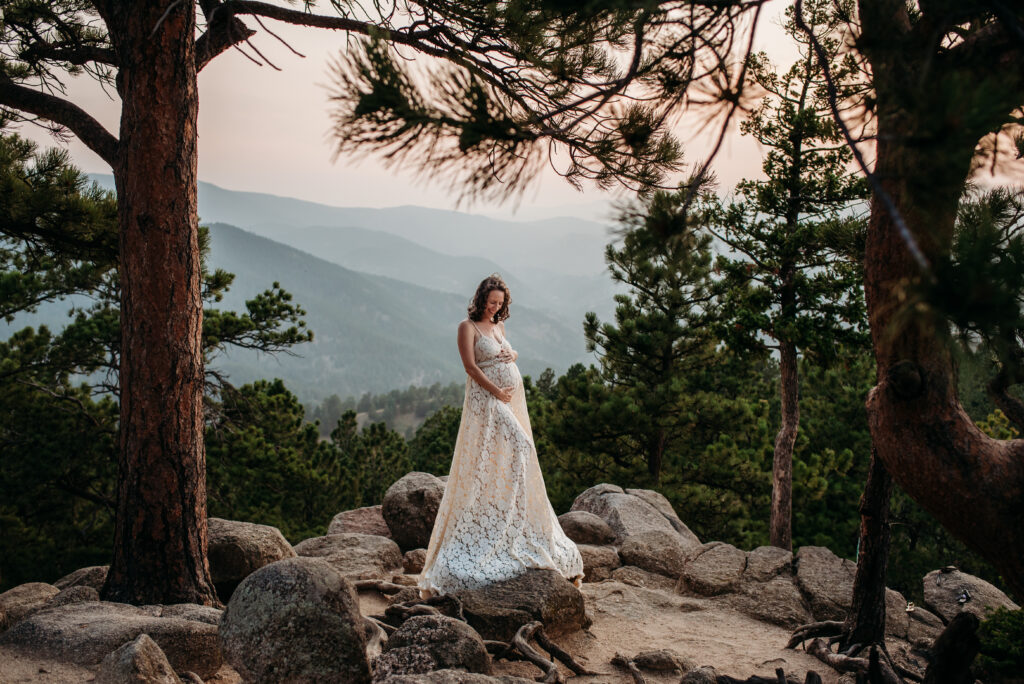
{"points": [[521, 641]]}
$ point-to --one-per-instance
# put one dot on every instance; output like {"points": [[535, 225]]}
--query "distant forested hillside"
{"points": [[372, 333]]}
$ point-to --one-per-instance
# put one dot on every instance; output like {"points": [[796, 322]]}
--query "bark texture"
{"points": [[865, 623], [160, 534], [781, 523], [932, 109]]}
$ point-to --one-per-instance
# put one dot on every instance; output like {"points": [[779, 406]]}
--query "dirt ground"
{"points": [[627, 620]]}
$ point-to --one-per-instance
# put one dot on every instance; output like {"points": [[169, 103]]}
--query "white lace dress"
{"points": [[495, 521]]}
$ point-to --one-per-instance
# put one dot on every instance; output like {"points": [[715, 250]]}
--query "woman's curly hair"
{"points": [[478, 305]]}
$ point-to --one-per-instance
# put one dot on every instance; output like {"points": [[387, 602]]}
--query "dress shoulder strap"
{"points": [[473, 323]]}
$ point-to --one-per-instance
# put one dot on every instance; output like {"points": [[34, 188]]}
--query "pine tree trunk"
{"points": [[972, 484], [865, 623], [160, 530], [781, 524]]}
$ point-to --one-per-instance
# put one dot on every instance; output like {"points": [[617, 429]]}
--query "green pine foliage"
{"points": [[1001, 656]]}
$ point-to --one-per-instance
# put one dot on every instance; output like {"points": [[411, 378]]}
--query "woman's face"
{"points": [[495, 300]]}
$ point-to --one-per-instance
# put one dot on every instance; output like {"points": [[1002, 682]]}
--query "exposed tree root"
{"points": [[629, 664], [522, 642], [558, 653], [383, 586], [828, 628], [876, 667]]}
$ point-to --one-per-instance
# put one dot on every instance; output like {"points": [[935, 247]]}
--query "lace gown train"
{"points": [[495, 520]]}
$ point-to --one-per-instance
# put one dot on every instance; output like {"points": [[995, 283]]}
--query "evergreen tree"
{"points": [[662, 326], [790, 272]]}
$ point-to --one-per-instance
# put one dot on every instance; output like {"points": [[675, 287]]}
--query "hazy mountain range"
{"points": [[385, 288]]}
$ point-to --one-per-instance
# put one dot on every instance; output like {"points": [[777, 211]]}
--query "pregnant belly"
{"points": [[504, 374]]}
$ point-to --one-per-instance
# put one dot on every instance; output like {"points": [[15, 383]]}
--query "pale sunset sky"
{"points": [[263, 130]]}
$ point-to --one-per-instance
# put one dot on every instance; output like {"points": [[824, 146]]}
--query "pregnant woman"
{"points": [[495, 520]]}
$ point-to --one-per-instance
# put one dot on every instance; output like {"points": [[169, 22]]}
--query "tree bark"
{"points": [[781, 527], [972, 484], [655, 454], [160, 537], [865, 623]]}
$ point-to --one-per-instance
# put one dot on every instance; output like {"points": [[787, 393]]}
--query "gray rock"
{"points": [[412, 561], [75, 594], [295, 620], [409, 508], [22, 600], [454, 677], [140, 662], [497, 610], [658, 500], [897, 620], [236, 549], [777, 601], [583, 527], [425, 643], [626, 514], [701, 675], [944, 591], [826, 581], [366, 520], [356, 556], [193, 611], [657, 551], [766, 562], [923, 627], [598, 562], [663, 660], [93, 576], [714, 568], [84, 633], [638, 577]]}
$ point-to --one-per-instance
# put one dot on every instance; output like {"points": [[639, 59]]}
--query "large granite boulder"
{"points": [[766, 562], [645, 579], [498, 610], [22, 600], [295, 620], [425, 643], [598, 562], [712, 569], [409, 508], [583, 527], [454, 677], [76, 594], [826, 580], [658, 551], [658, 500], [93, 576], [139, 661], [236, 549], [777, 601], [626, 514], [356, 556], [84, 633], [413, 561], [949, 592], [366, 520]]}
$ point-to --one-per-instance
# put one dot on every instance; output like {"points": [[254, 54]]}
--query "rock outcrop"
{"points": [[85, 633], [22, 600], [949, 592], [498, 610], [583, 527], [237, 549], [712, 569], [826, 580], [425, 643], [454, 677], [366, 520], [93, 576], [409, 508], [295, 620], [598, 562], [658, 551], [139, 661], [356, 556], [624, 513]]}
